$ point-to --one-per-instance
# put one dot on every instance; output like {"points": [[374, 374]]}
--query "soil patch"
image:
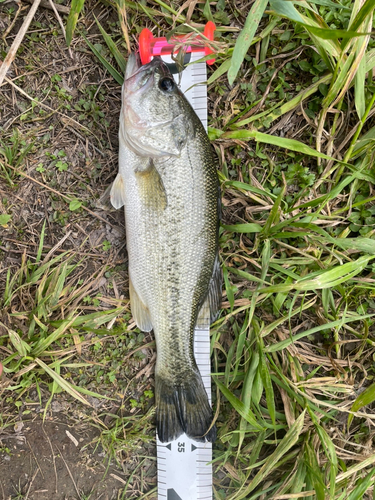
{"points": [[53, 460]]}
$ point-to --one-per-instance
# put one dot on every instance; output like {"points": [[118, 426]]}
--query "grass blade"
{"points": [[239, 406], [112, 47], [267, 384], [116, 75], [362, 486], [282, 142], [332, 324], [41, 242], [75, 10], [314, 471], [329, 3], [289, 440], [61, 382], [323, 279], [365, 11], [365, 398], [243, 228], [245, 38]]}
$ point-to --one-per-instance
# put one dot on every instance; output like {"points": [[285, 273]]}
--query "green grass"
{"points": [[292, 121], [300, 271], [47, 287]]}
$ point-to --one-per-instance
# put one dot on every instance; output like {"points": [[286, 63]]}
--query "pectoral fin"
{"points": [[140, 312], [151, 188], [118, 192], [104, 202]]}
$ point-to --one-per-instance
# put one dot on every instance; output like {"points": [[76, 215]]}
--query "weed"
{"points": [[51, 285], [89, 105], [106, 245], [125, 433], [12, 154]]}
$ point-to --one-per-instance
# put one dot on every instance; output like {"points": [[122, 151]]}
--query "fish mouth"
{"points": [[138, 77], [133, 65]]}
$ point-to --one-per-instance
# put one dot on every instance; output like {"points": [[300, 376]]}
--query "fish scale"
{"points": [[174, 262], [169, 186]]}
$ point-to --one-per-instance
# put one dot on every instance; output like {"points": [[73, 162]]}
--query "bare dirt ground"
{"points": [[58, 119], [45, 459], [61, 456]]}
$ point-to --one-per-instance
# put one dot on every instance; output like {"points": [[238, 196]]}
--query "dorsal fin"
{"points": [[210, 308]]}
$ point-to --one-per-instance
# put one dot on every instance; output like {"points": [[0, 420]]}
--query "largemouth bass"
{"points": [[168, 184]]}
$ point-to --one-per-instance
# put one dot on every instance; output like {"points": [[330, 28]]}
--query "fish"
{"points": [[167, 183]]}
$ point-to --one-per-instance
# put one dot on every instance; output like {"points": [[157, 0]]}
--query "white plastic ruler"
{"points": [[183, 469]]}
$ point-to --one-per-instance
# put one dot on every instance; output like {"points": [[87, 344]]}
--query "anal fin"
{"points": [[140, 312]]}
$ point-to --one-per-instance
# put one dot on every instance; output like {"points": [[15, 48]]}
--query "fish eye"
{"points": [[167, 84]]}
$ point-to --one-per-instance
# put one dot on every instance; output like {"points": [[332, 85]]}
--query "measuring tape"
{"points": [[184, 471]]}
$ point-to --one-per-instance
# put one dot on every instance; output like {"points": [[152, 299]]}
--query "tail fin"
{"points": [[183, 408]]}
